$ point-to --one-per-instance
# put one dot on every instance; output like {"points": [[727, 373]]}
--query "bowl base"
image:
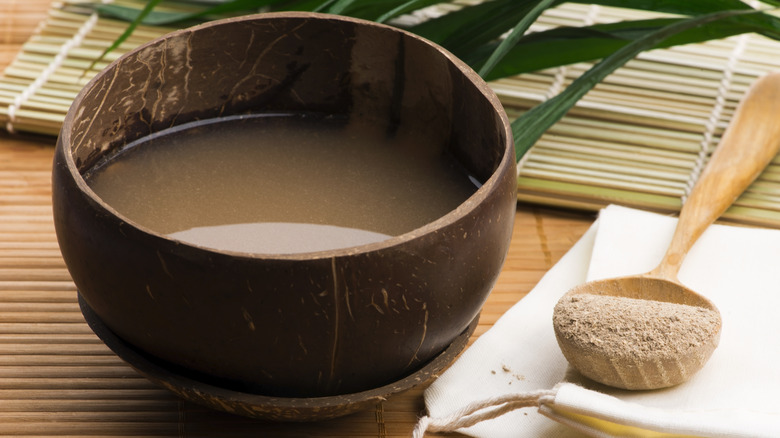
{"points": [[261, 406]]}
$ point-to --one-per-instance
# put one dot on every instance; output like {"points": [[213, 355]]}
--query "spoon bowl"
{"points": [[655, 368], [660, 345]]}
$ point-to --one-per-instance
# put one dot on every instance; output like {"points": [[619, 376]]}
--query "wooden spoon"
{"points": [[750, 142]]}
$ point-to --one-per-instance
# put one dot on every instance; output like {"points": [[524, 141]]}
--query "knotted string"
{"points": [[481, 411]]}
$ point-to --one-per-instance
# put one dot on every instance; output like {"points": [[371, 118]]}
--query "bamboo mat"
{"points": [[55, 62], [640, 138], [58, 379]]}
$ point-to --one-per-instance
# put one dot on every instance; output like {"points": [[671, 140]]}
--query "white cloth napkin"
{"points": [[736, 394]]}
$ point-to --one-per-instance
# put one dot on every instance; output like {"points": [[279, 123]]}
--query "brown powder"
{"points": [[622, 327]]}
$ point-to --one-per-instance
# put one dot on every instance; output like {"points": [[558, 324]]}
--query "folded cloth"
{"points": [[518, 363]]}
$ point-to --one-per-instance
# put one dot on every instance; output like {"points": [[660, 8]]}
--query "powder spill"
{"points": [[623, 327]]}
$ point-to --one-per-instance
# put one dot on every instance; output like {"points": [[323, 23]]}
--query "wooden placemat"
{"points": [[58, 379]]}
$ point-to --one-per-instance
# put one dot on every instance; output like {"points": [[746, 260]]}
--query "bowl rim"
{"points": [[462, 210]]}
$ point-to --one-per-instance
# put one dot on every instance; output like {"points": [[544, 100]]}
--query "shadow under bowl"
{"points": [[299, 409]]}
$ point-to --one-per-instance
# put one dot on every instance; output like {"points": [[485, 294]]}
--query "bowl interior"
{"points": [[291, 63]]}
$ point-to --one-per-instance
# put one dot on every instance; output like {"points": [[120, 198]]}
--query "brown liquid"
{"points": [[280, 184]]}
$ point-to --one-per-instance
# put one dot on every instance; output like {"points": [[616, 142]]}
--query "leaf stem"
{"points": [[517, 32]]}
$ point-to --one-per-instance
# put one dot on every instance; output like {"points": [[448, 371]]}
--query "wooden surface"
{"points": [[56, 376]]}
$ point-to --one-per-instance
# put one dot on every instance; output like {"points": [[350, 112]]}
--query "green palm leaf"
{"points": [[563, 46], [530, 126]]}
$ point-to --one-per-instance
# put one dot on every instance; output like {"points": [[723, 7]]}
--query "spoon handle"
{"points": [[749, 144]]}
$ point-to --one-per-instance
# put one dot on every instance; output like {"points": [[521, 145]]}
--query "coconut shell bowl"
{"points": [[331, 331]]}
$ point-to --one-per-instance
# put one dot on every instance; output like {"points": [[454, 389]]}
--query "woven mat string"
{"points": [[711, 124]]}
